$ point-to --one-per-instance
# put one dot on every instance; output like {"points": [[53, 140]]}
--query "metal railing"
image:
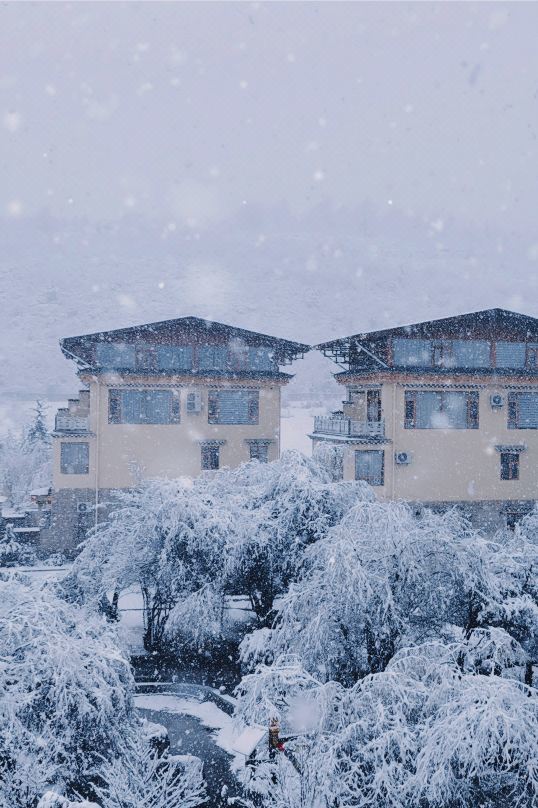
{"points": [[71, 423], [330, 425]]}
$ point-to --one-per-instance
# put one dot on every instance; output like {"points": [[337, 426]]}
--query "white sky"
{"points": [[188, 110]]}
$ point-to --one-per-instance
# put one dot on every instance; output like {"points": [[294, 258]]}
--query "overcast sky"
{"points": [[186, 111]]}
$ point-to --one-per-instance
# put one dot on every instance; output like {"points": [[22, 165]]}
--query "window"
{"points": [[441, 353], [470, 353], [370, 466], [213, 357], [175, 358], [373, 405], [510, 354], [143, 407], [146, 357], [261, 358], [532, 357], [522, 410], [75, 458], [259, 450], [441, 410], [210, 456], [509, 466], [233, 406], [412, 352], [115, 356]]}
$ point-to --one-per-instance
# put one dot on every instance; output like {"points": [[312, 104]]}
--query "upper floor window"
{"points": [[118, 355], [412, 352], [443, 353], [441, 409], [262, 358], [75, 458], [233, 406], [522, 410], [212, 357], [143, 406], [144, 357]]}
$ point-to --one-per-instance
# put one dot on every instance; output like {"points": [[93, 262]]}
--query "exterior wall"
{"points": [[122, 453], [449, 465]]}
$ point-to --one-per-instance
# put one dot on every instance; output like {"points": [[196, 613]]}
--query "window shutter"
{"points": [[213, 407], [472, 411], [253, 407], [175, 407], [410, 411], [114, 406]]}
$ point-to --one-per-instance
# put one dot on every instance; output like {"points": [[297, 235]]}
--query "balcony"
{"points": [[65, 422], [347, 428]]}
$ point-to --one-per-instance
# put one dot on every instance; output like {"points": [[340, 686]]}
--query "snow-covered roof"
{"points": [[40, 492], [12, 513]]}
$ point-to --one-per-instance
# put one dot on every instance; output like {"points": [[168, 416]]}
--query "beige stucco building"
{"points": [[442, 412], [162, 400]]}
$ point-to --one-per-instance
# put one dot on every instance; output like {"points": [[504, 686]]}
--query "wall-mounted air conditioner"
{"points": [[194, 401], [402, 458], [83, 507], [496, 400]]}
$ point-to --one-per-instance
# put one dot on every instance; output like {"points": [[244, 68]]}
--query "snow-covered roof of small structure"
{"points": [[12, 513], [40, 492], [26, 530]]}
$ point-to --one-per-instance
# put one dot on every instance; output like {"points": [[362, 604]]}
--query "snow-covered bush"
{"points": [[140, 777], [14, 553], [65, 693]]}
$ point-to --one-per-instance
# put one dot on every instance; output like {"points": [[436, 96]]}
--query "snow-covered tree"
{"points": [[190, 543], [26, 460], [65, 693], [378, 580]]}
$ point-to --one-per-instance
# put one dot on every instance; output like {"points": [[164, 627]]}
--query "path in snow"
{"points": [[199, 722]]}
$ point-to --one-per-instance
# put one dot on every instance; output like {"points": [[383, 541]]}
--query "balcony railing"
{"points": [[346, 427], [71, 423]]}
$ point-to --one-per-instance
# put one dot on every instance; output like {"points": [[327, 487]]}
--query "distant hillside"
{"points": [[310, 279]]}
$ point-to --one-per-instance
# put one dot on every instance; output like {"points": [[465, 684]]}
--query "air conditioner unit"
{"points": [[194, 401], [402, 458], [496, 400], [83, 507]]}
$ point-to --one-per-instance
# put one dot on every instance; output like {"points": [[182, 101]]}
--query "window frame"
{"points": [[372, 480], [253, 406], [510, 466], [472, 408], [513, 413], [116, 406], [85, 460], [209, 453]]}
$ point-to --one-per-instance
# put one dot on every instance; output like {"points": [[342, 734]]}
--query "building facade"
{"points": [[442, 413], [162, 400]]}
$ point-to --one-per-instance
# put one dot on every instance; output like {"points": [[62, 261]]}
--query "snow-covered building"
{"points": [[164, 399], [442, 412]]}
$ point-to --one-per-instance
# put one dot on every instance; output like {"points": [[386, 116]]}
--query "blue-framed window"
{"points": [[443, 409], [522, 410], [143, 407], [409, 352], [370, 466], [510, 354], [115, 356], [75, 458], [262, 358], [233, 407], [175, 357], [212, 357]]}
